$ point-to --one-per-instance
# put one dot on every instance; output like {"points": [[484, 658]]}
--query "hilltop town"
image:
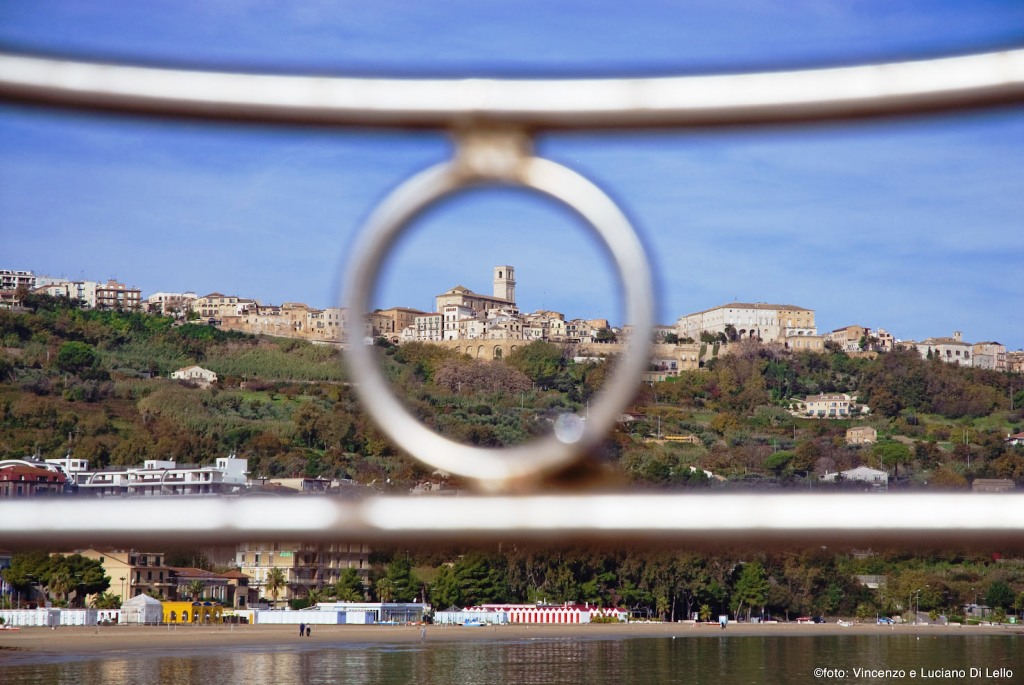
{"points": [[492, 326]]}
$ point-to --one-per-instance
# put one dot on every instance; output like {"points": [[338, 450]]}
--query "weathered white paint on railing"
{"points": [[979, 80], [691, 519]]}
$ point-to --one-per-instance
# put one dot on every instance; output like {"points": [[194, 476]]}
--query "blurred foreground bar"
{"points": [[705, 520]]}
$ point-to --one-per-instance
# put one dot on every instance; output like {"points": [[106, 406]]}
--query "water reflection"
{"points": [[720, 659]]}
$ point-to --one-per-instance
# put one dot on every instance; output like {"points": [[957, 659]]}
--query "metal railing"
{"points": [[493, 122]]}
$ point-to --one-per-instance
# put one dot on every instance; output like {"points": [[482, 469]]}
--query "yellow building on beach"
{"points": [[193, 612]]}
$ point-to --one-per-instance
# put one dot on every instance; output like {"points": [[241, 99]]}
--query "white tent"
{"points": [[142, 609]]}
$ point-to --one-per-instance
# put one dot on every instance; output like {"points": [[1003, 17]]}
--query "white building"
{"points": [[878, 480], [950, 350], [195, 374], [156, 478], [171, 304]]}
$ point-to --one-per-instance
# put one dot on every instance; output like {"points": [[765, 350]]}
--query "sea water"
{"points": [[720, 660]]}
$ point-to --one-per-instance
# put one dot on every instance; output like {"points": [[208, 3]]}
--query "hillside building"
{"points": [[758, 320]]}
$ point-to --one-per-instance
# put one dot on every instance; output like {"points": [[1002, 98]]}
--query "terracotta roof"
{"points": [[752, 305], [30, 474]]}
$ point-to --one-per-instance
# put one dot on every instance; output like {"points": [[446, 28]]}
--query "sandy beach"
{"points": [[114, 639]]}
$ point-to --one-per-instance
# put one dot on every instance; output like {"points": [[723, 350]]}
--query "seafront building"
{"points": [[304, 566]]}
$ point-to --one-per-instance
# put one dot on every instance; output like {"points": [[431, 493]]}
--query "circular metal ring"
{"points": [[498, 467]]}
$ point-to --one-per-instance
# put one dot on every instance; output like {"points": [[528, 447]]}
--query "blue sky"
{"points": [[912, 226]]}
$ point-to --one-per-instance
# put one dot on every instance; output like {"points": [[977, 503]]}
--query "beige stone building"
{"points": [[989, 355], [218, 306], [759, 320], [849, 337], [550, 324], [861, 435], [504, 294], [289, 320], [802, 343], [1015, 361], [305, 566], [389, 323], [134, 573]]}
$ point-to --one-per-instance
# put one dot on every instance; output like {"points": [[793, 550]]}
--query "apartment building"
{"points": [[115, 295], [305, 566], [11, 279], [134, 572], [155, 478], [428, 328]]}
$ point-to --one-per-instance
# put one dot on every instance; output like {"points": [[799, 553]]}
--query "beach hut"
{"points": [[142, 609]]}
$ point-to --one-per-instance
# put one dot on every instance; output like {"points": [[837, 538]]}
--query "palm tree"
{"points": [[385, 589], [106, 600], [275, 583], [61, 583], [196, 588], [315, 596]]}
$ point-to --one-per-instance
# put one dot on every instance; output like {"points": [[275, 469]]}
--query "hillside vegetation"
{"points": [[96, 384]]}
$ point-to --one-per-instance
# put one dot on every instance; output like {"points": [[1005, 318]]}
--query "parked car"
{"points": [[818, 619], [885, 621], [805, 619]]}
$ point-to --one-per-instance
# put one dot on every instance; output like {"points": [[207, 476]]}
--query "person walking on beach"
{"points": [[302, 629], [309, 630]]}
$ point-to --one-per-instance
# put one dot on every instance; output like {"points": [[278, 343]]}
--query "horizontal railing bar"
{"points": [[903, 88], [958, 520]]}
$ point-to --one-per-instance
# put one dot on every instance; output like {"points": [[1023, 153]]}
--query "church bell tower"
{"points": [[505, 283]]}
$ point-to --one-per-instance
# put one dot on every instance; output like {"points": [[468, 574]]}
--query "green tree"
{"points": [[751, 588], [106, 600], [61, 583], [385, 588], [404, 585], [445, 591], [276, 583], [349, 587], [541, 362], [195, 589], [892, 453], [315, 596], [999, 595], [74, 357], [481, 578], [779, 461]]}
